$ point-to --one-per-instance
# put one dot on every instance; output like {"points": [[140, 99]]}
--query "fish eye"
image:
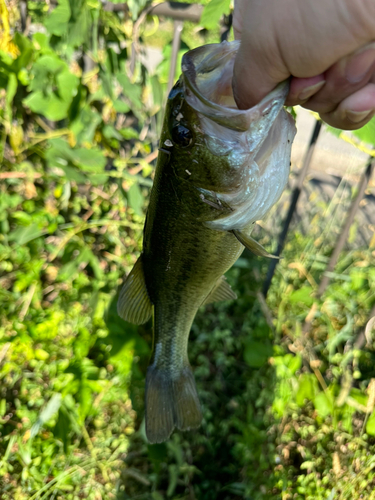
{"points": [[182, 136]]}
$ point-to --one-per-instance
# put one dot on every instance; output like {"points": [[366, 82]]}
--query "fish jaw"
{"points": [[207, 74], [256, 142], [264, 178]]}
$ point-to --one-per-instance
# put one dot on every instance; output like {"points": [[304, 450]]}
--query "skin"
{"points": [[327, 47]]}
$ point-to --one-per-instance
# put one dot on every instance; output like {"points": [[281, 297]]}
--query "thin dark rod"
{"points": [[175, 10], [23, 15], [179, 11], [363, 182], [293, 204], [226, 24]]}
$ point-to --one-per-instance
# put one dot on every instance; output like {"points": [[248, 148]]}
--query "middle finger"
{"points": [[344, 78]]}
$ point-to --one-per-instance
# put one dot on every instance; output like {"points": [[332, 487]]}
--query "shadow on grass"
{"points": [[232, 455]]}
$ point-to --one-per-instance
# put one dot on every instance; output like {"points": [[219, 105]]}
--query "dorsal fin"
{"points": [[221, 291], [252, 245], [133, 303]]}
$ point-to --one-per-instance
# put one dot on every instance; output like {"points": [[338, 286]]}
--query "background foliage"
{"points": [[288, 409]]}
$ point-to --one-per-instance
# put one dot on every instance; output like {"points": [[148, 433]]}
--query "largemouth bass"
{"points": [[219, 170]]}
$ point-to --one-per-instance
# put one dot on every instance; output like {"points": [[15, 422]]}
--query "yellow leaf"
{"points": [[26, 436], [6, 43]]}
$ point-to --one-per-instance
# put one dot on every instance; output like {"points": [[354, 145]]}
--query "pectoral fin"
{"points": [[221, 291], [133, 304], [252, 245]]}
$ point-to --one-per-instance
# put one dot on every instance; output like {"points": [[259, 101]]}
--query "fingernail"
{"points": [[360, 63], [358, 116], [310, 91]]}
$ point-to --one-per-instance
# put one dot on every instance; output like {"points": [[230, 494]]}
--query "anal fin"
{"points": [[221, 291], [252, 245], [133, 303]]}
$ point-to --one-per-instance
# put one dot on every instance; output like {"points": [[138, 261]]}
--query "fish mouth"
{"points": [[256, 141], [207, 76]]}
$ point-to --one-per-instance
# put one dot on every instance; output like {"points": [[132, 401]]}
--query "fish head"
{"points": [[243, 156], [195, 153], [182, 137]]}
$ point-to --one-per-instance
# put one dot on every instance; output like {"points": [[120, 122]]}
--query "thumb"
{"points": [[257, 71]]}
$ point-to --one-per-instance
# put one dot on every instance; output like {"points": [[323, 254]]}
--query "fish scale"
{"points": [[218, 170]]}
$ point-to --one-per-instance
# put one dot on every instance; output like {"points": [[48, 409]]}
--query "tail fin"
{"points": [[171, 401]]}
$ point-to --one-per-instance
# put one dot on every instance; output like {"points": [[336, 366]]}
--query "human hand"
{"points": [[327, 46]]}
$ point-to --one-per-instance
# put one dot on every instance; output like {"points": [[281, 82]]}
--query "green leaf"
{"points": [[295, 364], [95, 385], [347, 418], [41, 354], [23, 235], [98, 180], [63, 427], [26, 52], [131, 91], [51, 408], [59, 153], [73, 174], [302, 295], [213, 12], [323, 403], [121, 106], [135, 199], [257, 353], [54, 88], [106, 80], [85, 124], [57, 22], [79, 26], [3, 407], [11, 89], [307, 388], [129, 133], [307, 465], [44, 71], [68, 271], [42, 40], [89, 160], [82, 343], [110, 132], [359, 396], [50, 106], [366, 133], [335, 131], [370, 426], [173, 478], [157, 90], [67, 85]]}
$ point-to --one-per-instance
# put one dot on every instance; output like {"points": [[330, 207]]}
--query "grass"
{"points": [[287, 386], [298, 406]]}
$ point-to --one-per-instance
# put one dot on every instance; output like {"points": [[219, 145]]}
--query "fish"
{"points": [[219, 170]]}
